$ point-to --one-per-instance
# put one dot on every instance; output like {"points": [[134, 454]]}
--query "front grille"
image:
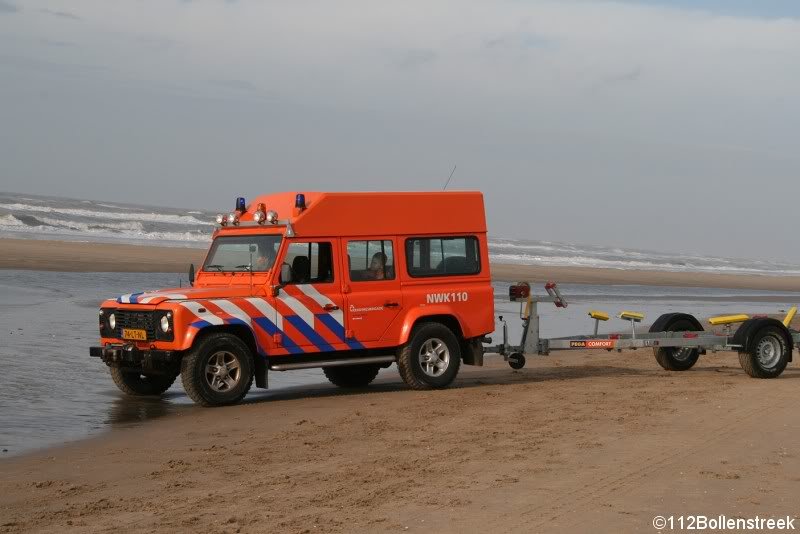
{"points": [[136, 319]]}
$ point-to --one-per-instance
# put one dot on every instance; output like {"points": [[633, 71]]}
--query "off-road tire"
{"points": [[141, 385], [408, 357], [750, 362], [674, 358], [193, 370], [352, 376]]}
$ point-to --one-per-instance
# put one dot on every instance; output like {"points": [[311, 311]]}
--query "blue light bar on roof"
{"points": [[241, 205]]}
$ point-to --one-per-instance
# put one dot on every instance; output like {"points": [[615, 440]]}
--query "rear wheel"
{"points": [[218, 370], [431, 357], [677, 358], [352, 376], [139, 384], [767, 354]]}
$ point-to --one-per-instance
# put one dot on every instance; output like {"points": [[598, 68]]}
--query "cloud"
{"points": [[238, 85], [7, 7], [627, 76], [57, 44], [409, 59], [61, 14]]}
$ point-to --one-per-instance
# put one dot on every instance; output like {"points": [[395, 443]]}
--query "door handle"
{"points": [[391, 304], [330, 307]]}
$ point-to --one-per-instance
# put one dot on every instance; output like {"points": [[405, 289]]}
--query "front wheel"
{"points": [[139, 384], [431, 357], [218, 370], [767, 355]]}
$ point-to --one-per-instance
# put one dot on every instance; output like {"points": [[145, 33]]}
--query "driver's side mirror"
{"points": [[191, 274], [286, 274]]}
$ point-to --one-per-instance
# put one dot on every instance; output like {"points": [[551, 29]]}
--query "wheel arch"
{"points": [[446, 318], [746, 332], [246, 334]]}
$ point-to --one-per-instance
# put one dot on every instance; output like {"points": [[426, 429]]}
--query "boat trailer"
{"points": [[764, 344]]}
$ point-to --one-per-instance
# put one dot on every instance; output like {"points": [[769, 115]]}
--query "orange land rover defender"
{"points": [[349, 282]]}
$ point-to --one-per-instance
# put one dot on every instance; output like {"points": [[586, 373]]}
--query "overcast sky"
{"points": [[660, 125]]}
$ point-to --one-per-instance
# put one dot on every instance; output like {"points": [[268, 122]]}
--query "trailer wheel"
{"points": [[676, 358], [352, 376], [138, 384], [431, 357], [218, 370], [767, 354], [516, 361]]}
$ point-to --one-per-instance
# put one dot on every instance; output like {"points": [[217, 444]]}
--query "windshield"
{"points": [[255, 253]]}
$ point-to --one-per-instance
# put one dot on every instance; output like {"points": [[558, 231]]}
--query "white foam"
{"points": [[118, 215]]}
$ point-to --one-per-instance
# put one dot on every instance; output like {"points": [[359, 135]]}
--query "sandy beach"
{"points": [[71, 256], [571, 443]]}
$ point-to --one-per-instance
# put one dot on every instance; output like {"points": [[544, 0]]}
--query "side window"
{"points": [[370, 260], [312, 263], [442, 256]]}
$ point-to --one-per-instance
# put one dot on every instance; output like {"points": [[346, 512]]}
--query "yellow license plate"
{"points": [[134, 333]]}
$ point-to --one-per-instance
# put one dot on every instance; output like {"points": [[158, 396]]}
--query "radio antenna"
{"points": [[449, 177]]}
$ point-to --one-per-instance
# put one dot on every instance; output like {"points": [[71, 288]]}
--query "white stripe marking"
{"points": [[234, 311], [314, 294], [268, 311], [206, 316], [298, 308]]}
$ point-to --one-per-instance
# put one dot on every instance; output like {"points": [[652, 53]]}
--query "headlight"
{"points": [[112, 322], [165, 322]]}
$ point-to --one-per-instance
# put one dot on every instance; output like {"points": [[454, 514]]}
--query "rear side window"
{"points": [[442, 256], [370, 260]]}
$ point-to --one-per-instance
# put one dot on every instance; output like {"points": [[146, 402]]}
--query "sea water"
{"points": [[51, 391], [29, 216]]}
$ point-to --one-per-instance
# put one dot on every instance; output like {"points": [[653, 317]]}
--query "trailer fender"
{"points": [[663, 323], [747, 330]]}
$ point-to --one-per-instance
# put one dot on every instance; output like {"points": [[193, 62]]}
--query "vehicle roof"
{"points": [[377, 213]]}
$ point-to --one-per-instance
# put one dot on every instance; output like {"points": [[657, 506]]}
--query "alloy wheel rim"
{"points": [[434, 357], [223, 371]]}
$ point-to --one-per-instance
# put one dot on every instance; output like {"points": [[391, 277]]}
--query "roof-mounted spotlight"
{"points": [[272, 216], [220, 218], [233, 218], [260, 215]]}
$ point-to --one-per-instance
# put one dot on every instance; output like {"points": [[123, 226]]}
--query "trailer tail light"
{"points": [[519, 291]]}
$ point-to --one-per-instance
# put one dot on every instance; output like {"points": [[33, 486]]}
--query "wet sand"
{"points": [[106, 257], [572, 443]]}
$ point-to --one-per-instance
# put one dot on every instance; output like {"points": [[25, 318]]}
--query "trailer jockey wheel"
{"points": [[516, 361]]}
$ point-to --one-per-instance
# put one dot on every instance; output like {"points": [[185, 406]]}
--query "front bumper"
{"points": [[128, 356]]}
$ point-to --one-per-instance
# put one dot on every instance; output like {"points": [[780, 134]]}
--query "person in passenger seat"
{"points": [[377, 268]]}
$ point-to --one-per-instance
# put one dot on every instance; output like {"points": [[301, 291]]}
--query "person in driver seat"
{"points": [[265, 258]]}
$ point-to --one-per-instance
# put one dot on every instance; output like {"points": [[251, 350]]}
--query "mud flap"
{"points": [[472, 352]]}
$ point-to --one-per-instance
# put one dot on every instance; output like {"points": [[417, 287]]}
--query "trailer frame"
{"points": [[532, 343]]}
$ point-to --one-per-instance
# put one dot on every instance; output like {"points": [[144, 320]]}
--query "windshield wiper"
{"points": [[245, 267], [217, 267]]}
